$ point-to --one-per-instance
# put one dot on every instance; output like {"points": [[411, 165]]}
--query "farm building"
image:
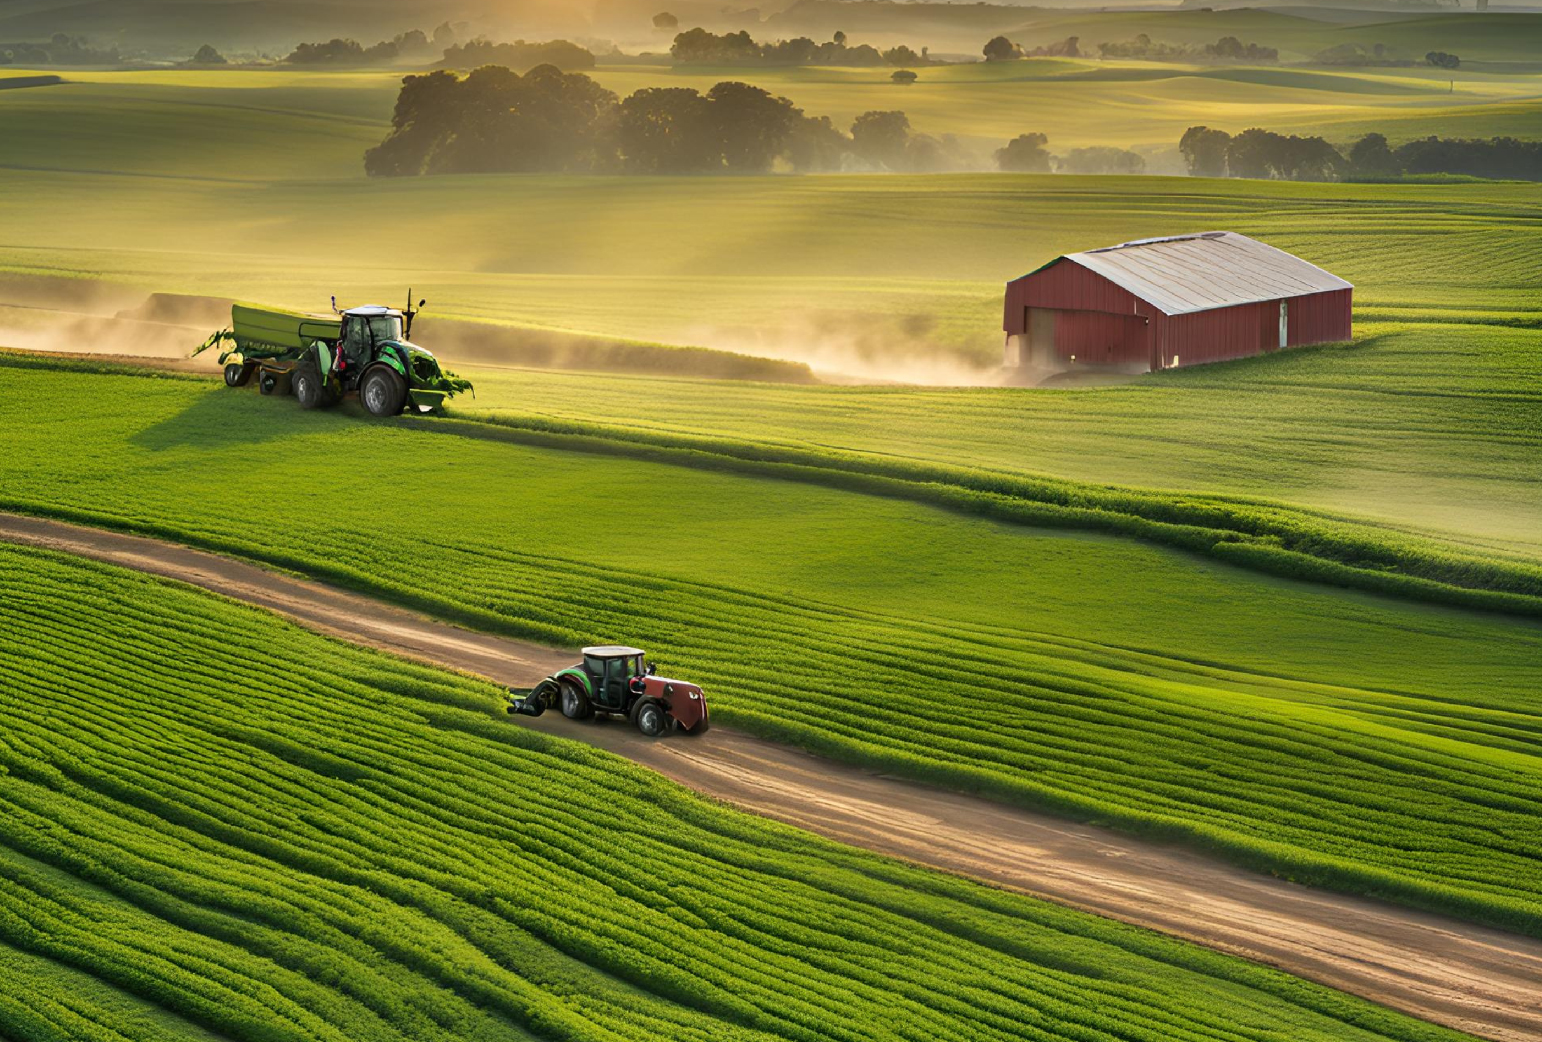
{"points": [[1161, 303]]}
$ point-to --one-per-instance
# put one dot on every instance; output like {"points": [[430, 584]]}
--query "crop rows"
{"points": [[234, 825], [1332, 778]]}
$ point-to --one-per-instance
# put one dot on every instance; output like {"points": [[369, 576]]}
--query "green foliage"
{"points": [[1269, 721], [218, 825]]}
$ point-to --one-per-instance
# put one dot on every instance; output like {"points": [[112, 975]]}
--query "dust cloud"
{"points": [[80, 316], [861, 348]]}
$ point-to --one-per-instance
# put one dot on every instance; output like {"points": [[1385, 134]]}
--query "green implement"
{"points": [[323, 358]]}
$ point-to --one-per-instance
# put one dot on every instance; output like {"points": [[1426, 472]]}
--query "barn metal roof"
{"points": [[1188, 273]]}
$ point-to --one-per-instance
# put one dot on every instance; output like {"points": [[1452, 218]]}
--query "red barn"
{"points": [[1162, 303]]}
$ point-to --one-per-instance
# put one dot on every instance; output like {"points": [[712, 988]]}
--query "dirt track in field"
{"points": [[1483, 981]]}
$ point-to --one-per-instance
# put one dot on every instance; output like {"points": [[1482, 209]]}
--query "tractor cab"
{"points": [[366, 328], [611, 670], [613, 680]]}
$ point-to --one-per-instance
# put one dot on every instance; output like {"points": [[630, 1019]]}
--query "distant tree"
{"points": [[519, 55], [665, 21], [1204, 150], [1100, 159], [698, 45], [207, 55], [1265, 154], [816, 145], [1442, 60], [902, 56], [1372, 157], [881, 139], [904, 77], [494, 120], [751, 126], [1500, 157], [839, 38], [333, 51], [413, 42], [1001, 49], [1025, 154], [662, 130]]}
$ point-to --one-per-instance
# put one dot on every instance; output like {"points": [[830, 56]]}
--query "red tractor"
{"points": [[617, 681]]}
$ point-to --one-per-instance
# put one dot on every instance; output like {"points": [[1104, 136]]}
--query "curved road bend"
{"points": [[1468, 977]]}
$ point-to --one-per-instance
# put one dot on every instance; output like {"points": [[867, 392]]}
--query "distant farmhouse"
{"points": [[1163, 303]]}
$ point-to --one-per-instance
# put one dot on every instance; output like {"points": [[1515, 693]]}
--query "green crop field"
{"points": [[1276, 722], [1424, 428], [199, 840]]}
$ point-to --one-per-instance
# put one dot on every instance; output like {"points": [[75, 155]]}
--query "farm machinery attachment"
{"points": [[617, 681], [321, 359]]}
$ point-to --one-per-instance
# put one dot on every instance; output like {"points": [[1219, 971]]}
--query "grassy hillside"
{"points": [[244, 184], [1426, 429], [1275, 722], [200, 841]]}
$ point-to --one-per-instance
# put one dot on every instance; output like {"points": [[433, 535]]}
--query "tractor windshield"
{"points": [[385, 327]]}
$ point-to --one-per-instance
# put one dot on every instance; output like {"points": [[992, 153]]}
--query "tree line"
{"points": [[1265, 154], [1227, 48], [495, 120], [700, 47], [1029, 154], [61, 49]]}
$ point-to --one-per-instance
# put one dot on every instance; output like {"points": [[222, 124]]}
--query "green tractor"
{"points": [[322, 359]]}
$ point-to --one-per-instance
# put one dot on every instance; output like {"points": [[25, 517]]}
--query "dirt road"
{"points": [[1478, 980]]}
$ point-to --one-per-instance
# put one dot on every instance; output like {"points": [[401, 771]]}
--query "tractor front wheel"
{"points": [[383, 392], [651, 719], [575, 704], [237, 374]]}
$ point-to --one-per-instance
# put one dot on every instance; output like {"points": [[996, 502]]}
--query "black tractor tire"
{"points": [[309, 389], [237, 374], [383, 391], [575, 704], [651, 718]]}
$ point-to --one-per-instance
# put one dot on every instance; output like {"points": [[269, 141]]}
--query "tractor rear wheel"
{"points": [[575, 704], [651, 719], [308, 388], [383, 392], [237, 374]]}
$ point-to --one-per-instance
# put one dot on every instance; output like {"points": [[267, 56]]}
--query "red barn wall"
{"points": [[1101, 323], [1322, 318]]}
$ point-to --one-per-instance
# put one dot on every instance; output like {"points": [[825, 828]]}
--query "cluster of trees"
{"points": [[1258, 153], [518, 55], [497, 121], [1029, 154], [1442, 60], [61, 49], [1354, 54], [1001, 49], [698, 46], [340, 51], [1265, 154], [1227, 48]]}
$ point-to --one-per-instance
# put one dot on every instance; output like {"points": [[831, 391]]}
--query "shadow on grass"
{"points": [[222, 418]]}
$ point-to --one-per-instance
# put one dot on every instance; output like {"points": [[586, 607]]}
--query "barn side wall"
{"points": [[1240, 331], [1322, 318]]}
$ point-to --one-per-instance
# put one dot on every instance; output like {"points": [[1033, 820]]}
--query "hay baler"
{"points": [[321, 358]]}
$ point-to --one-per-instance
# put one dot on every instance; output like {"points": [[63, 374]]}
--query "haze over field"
{"points": [[1241, 658]]}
